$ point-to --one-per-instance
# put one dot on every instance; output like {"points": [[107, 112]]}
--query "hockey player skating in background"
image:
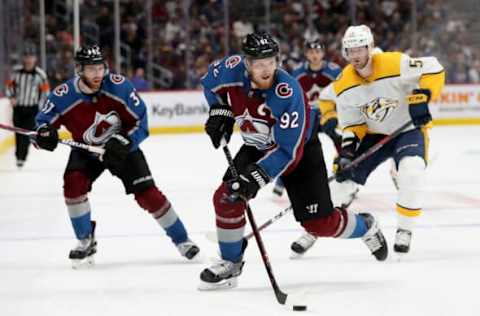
{"points": [[103, 109], [329, 122], [314, 75], [279, 131], [375, 95]]}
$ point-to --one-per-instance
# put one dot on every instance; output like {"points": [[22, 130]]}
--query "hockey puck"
{"points": [[299, 308]]}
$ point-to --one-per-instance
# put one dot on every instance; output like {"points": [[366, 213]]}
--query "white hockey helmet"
{"points": [[357, 36]]}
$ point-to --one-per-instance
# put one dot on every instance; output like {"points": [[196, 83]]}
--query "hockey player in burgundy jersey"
{"points": [[103, 109], [278, 128], [314, 75]]}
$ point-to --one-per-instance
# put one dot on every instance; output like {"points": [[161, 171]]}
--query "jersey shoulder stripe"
{"points": [[347, 80], [299, 71], [332, 70], [229, 71], [385, 65], [116, 84], [65, 94]]}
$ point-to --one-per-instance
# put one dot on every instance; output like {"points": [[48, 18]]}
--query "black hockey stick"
{"points": [[353, 164], [372, 149], [212, 236], [68, 142], [281, 296]]}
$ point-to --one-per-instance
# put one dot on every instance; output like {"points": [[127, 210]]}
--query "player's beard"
{"points": [[358, 65], [263, 81], [94, 84]]}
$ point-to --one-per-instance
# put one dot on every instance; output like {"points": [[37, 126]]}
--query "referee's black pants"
{"points": [[24, 117]]}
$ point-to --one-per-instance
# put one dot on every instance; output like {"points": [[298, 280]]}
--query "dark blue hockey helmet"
{"points": [[259, 45]]}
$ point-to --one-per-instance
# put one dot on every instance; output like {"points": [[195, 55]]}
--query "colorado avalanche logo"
{"points": [[255, 132], [104, 126], [379, 109], [117, 79], [233, 61], [283, 90], [61, 90], [314, 93]]}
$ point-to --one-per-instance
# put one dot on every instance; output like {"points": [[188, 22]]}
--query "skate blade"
{"points": [[222, 285], [400, 256], [295, 255], [80, 264]]}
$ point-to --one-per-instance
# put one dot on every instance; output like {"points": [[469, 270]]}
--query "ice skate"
{"points": [[83, 254], [403, 237], [188, 249], [20, 163], [278, 190], [301, 245], [374, 238], [222, 275]]}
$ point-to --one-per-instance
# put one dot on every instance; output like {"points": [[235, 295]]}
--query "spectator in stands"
{"points": [[138, 80], [438, 33]]}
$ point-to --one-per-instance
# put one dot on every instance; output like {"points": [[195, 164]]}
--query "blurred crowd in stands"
{"points": [[440, 34]]}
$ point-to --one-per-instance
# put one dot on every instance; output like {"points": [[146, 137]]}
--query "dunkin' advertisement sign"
{"points": [[457, 102]]}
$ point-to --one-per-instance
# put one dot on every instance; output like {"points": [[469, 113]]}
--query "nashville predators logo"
{"points": [[105, 125], [379, 109]]}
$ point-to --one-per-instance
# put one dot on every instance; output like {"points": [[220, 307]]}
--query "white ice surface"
{"points": [[139, 272]]}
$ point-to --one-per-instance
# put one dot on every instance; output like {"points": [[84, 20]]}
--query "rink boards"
{"points": [[186, 111]]}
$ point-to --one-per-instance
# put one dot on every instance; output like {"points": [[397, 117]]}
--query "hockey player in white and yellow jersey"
{"points": [[374, 96]]}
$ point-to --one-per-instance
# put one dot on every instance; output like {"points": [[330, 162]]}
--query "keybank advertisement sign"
{"points": [[176, 108]]}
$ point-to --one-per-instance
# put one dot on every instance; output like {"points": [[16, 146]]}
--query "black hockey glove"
{"points": [[330, 128], [46, 138], [345, 158], [219, 124], [418, 107], [116, 152], [339, 164], [249, 182]]}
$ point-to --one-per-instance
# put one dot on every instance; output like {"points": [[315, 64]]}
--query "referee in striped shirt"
{"points": [[27, 88]]}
